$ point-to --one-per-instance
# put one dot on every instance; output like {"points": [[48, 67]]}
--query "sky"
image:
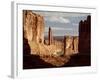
{"points": [[62, 23]]}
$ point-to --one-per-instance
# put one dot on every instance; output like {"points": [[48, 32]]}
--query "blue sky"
{"points": [[62, 23]]}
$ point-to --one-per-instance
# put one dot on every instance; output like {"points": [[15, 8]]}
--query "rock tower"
{"points": [[85, 35], [50, 36]]}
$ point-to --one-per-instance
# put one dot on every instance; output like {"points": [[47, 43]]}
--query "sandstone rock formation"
{"points": [[70, 45], [33, 30], [75, 44], [33, 26], [50, 36], [85, 35]]}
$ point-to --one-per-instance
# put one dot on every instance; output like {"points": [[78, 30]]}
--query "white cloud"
{"points": [[58, 28], [63, 14], [75, 24], [57, 19]]}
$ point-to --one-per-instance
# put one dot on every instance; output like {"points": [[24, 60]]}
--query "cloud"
{"points": [[62, 22], [63, 14], [58, 29], [57, 19], [75, 24], [65, 29]]}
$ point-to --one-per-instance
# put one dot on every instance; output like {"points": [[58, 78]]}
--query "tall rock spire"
{"points": [[50, 37]]}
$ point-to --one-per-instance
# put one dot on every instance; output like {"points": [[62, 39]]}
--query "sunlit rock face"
{"points": [[33, 26], [70, 45], [75, 44]]}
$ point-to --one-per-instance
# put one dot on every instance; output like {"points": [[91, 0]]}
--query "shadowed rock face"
{"points": [[26, 47], [33, 26], [85, 35]]}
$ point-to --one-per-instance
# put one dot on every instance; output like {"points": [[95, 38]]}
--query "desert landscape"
{"points": [[48, 51]]}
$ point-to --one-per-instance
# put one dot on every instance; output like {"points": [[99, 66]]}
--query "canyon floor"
{"points": [[35, 62], [51, 56]]}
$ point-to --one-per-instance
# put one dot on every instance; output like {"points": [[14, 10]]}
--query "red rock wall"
{"points": [[85, 35]]}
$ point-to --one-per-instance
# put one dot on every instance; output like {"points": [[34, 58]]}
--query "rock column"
{"points": [[50, 37], [64, 45]]}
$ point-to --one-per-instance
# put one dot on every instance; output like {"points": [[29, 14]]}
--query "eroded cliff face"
{"points": [[75, 44], [85, 35], [70, 45], [33, 26]]}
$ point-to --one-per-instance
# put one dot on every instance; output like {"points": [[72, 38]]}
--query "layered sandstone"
{"points": [[75, 44], [70, 45], [33, 26]]}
